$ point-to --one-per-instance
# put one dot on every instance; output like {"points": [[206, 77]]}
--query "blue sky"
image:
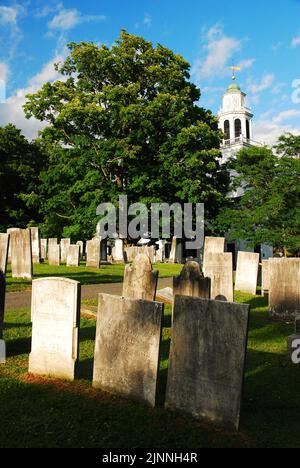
{"points": [[263, 37]]}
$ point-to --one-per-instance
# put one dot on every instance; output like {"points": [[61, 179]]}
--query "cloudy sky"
{"points": [[263, 37]]}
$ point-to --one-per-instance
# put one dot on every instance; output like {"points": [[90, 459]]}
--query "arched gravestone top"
{"points": [[140, 281], [191, 282]]}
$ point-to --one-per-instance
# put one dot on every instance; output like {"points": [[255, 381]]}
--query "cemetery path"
{"points": [[21, 300]]}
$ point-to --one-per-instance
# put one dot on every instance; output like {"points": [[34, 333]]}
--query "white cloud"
{"points": [[267, 129], [286, 115], [265, 83], [296, 41], [219, 49], [68, 19], [8, 15], [247, 63], [10, 33]]}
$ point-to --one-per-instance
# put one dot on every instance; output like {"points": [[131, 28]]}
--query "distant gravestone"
{"points": [[173, 252], [284, 295], [191, 282], [53, 254], [207, 358], [9, 231], [55, 315], [21, 254], [247, 272], [4, 248], [64, 247], [73, 256], [160, 253], [81, 248], [93, 253], [44, 246], [35, 244], [127, 347], [140, 281], [212, 245], [219, 269], [118, 251], [265, 277]]}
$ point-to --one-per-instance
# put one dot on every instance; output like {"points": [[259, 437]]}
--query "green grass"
{"points": [[41, 412], [106, 274]]}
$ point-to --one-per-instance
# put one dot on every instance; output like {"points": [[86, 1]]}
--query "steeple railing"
{"points": [[241, 140]]}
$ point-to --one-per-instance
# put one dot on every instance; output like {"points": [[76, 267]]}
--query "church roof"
{"points": [[233, 87]]}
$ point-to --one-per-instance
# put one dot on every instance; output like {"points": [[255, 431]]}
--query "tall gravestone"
{"points": [[175, 253], [81, 248], [64, 247], [9, 231], [35, 244], [21, 254], [52, 241], [160, 252], [247, 272], [191, 282], [73, 256], [212, 245], [127, 347], [207, 358], [265, 277], [140, 281], [219, 269], [93, 253], [55, 316], [284, 295], [4, 248], [44, 248], [54, 254], [118, 251]]}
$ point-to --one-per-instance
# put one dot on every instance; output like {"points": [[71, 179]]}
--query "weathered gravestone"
{"points": [[176, 251], [191, 282], [2, 308], [127, 347], [207, 357], [93, 253], [21, 254], [247, 272], [54, 254], [81, 248], [284, 295], [64, 247], [55, 316], [73, 256], [44, 246], [212, 245], [4, 247], [265, 277], [140, 281], [35, 244], [118, 251], [53, 241], [160, 252], [293, 342], [219, 269], [9, 231]]}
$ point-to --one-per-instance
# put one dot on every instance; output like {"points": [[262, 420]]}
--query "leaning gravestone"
{"points": [[73, 256], [247, 272], [284, 295], [219, 270], [4, 248], [140, 281], [35, 244], [44, 245], [207, 359], [127, 347], [191, 282], [212, 245], [55, 315], [93, 253], [64, 247], [21, 254], [53, 254]]}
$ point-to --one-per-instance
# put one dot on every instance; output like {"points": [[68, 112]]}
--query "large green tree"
{"points": [[21, 162], [124, 120], [269, 210]]}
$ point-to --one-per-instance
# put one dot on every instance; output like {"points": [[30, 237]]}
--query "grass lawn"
{"points": [[106, 274], [41, 412]]}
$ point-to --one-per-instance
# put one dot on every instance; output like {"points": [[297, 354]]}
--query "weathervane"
{"points": [[234, 69]]}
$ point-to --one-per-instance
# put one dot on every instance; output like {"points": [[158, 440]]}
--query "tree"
{"points": [[289, 145], [20, 165], [269, 210], [124, 120]]}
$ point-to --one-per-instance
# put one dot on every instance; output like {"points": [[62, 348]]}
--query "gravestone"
{"points": [[81, 248], [103, 250], [160, 253], [294, 338], [118, 251], [176, 251], [247, 272], [4, 248], [53, 254], [9, 231], [191, 282], [64, 247], [93, 253], [35, 244], [265, 277], [127, 347], [284, 295], [44, 245], [21, 254], [219, 270], [207, 358], [73, 256], [53, 241], [212, 245], [55, 316], [140, 281]]}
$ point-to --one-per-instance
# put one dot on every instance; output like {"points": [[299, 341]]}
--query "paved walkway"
{"points": [[20, 300]]}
